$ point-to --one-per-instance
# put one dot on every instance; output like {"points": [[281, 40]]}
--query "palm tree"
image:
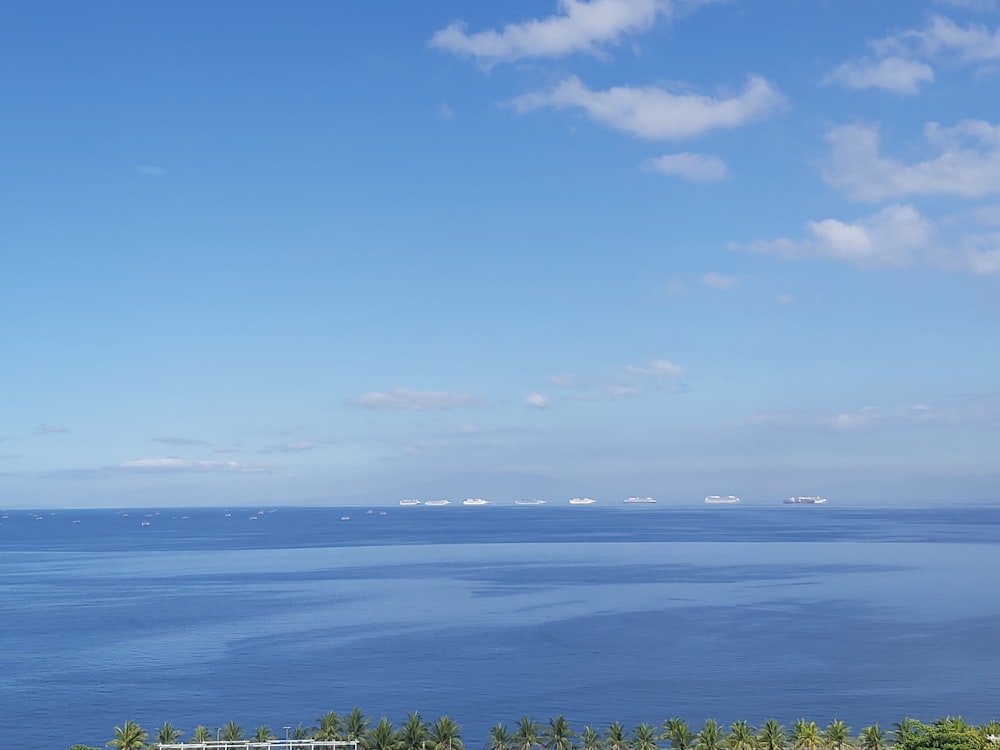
{"points": [[742, 736], [590, 739], [558, 735], [329, 727], [413, 734], [806, 735], [78, 746], [873, 738], [907, 731], [644, 737], [445, 734], [263, 734], [772, 736], [355, 726], [526, 734], [710, 737], [232, 732], [676, 731], [168, 734], [616, 738], [382, 736], [300, 733], [201, 733], [129, 736], [838, 734], [500, 738]]}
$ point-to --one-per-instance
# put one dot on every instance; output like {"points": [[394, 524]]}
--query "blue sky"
{"points": [[325, 252]]}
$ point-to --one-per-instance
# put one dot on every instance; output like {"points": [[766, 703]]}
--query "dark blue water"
{"points": [[487, 614]]}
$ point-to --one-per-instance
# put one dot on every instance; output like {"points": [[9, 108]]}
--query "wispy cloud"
{"points": [[407, 400], [585, 27], [894, 74], [694, 167], [296, 446], [657, 368], [897, 236], [564, 381], [976, 409], [977, 5], [537, 400], [171, 464], [720, 281], [178, 441], [148, 170], [654, 113], [48, 429], [968, 164]]}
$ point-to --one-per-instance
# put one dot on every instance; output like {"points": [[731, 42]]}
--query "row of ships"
{"points": [[710, 499]]}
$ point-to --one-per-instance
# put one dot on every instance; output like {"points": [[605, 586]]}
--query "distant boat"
{"points": [[407, 503], [721, 499], [144, 523], [437, 503], [530, 502], [345, 518], [475, 501], [805, 500], [582, 501], [637, 500], [252, 518]]}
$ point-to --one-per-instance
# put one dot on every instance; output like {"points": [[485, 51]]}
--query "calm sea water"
{"points": [[632, 614]]}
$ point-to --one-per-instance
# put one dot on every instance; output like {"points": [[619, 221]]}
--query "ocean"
{"points": [[598, 613]]}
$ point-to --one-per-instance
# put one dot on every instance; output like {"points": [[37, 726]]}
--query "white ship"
{"points": [[435, 503], [475, 501], [805, 500], [409, 502], [530, 502], [721, 499], [638, 500], [582, 501]]}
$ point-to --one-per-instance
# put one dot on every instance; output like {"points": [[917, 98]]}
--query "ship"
{"points": [[475, 501], [631, 500], [406, 503], [530, 502], [805, 500], [582, 501], [721, 499], [435, 503]]}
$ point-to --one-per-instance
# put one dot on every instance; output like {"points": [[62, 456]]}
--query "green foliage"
{"points": [[949, 733], [82, 747], [129, 736]]}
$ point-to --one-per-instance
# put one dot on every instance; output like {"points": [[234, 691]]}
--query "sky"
{"points": [[338, 252]]}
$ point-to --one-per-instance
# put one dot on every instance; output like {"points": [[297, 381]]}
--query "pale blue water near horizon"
{"points": [[602, 614]]}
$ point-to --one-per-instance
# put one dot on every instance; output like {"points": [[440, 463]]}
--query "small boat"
{"points": [[475, 501], [805, 500], [530, 502], [637, 500], [582, 501], [144, 523], [721, 499], [437, 503], [408, 503], [345, 518]]}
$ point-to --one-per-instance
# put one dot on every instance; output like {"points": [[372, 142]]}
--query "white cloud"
{"points": [[623, 391], [968, 164], [579, 27], [148, 170], [655, 113], [294, 447], [897, 236], [564, 381], [715, 280], [894, 74], [696, 167], [407, 400], [178, 441], [445, 112], [975, 409], [971, 43], [180, 464], [659, 367], [48, 429], [537, 400]]}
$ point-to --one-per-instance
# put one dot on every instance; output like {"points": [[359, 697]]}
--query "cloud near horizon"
{"points": [[692, 166], [180, 465], [653, 113], [585, 27], [406, 400], [657, 368]]}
